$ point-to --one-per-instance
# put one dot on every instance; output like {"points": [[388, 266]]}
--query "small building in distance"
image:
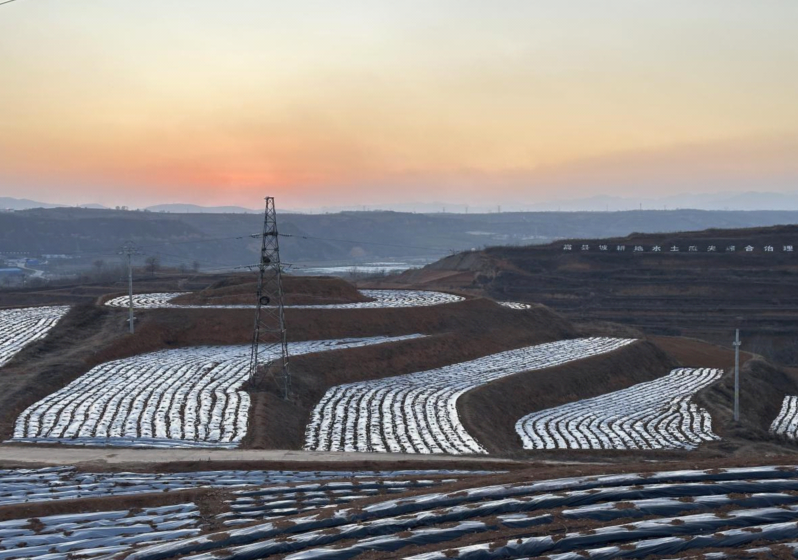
{"points": [[11, 272]]}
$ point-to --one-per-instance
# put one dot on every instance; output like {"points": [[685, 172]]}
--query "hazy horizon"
{"points": [[729, 201]]}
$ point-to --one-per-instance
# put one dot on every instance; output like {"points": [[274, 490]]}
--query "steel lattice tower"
{"points": [[269, 345]]}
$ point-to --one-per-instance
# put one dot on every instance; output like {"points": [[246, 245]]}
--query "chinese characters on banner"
{"points": [[678, 249]]}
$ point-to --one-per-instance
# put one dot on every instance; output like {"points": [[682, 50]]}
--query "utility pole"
{"points": [[129, 250], [269, 339], [737, 375]]}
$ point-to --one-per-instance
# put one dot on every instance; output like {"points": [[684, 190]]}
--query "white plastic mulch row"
{"points": [[382, 299], [65, 483], [417, 413], [20, 327], [171, 398], [514, 305], [104, 534], [276, 502], [786, 423], [639, 507], [657, 414], [96, 533]]}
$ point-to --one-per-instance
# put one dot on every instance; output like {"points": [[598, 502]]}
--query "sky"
{"points": [[375, 102]]}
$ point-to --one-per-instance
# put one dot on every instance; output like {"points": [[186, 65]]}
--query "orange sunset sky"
{"points": [[369, 102]]}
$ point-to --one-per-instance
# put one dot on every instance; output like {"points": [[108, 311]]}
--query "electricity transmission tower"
{"points": [[269, 345], [129, 250]]}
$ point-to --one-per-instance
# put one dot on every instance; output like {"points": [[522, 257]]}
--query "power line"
{"points": [[245, 236], [7, 2], [190, 260]]}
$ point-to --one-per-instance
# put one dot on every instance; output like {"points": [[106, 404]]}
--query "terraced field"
{"points": [[381, 299], [185, 397], [417, 413], [20, 327], [653, 415], [434, 515]]}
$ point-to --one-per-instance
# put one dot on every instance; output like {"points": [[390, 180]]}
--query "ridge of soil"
{"points": [[54, 361], [491, 411], [763, 387], [92, 334], [298, 290], [461, 332]]}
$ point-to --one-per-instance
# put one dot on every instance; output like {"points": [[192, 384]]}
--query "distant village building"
{"points": [[11, 272]]}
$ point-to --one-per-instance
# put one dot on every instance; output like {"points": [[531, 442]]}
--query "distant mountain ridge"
{"points": [[730, 201], [179, 208], [10, 203], [733, 201]]}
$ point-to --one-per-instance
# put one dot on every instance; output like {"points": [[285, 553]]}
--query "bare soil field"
{"points": [[299, 290]]}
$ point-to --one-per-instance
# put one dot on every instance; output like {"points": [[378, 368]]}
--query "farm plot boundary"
{"points": [[657, 414], [185, 397], [23, 326], [496, 517], [381, 299], [417, 413]]}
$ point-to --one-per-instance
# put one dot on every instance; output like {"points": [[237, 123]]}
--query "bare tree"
{"points": [[183, 268], [195, 266], [153, 264]]}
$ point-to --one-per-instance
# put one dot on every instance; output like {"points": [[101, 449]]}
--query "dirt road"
{"points": [[23, 455]]}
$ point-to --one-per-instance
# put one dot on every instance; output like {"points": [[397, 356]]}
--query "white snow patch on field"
{"points": [[382, 299], [417, 413], [20, 327], [657, 414], [183, 397]]}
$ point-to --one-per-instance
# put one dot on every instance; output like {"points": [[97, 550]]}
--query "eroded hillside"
{"points": [[704, 290]]}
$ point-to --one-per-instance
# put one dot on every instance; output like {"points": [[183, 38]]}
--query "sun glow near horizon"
{"points": [[373, 102]]}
